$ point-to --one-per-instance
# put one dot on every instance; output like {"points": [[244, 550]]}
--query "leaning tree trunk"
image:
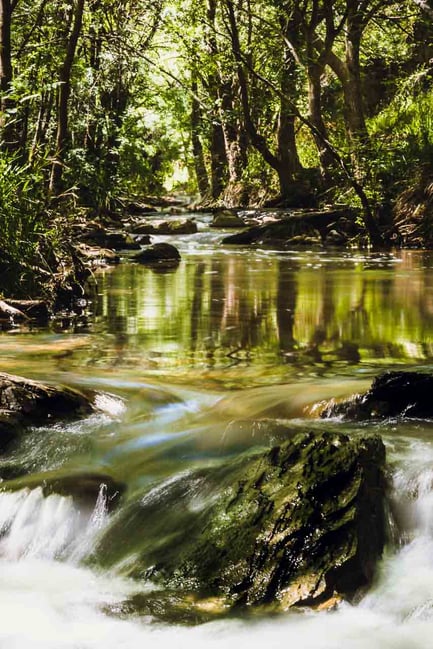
{"points": [[63, 99]]}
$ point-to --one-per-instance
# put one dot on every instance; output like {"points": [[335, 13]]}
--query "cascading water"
{"points": [[48, 598], [269, 332]]}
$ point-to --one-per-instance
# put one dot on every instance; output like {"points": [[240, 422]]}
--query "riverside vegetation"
{"points": [[297, 104]]}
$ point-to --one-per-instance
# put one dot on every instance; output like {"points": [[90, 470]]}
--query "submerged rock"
{"points": [[36, 403], [393, 394], [296, 525]]}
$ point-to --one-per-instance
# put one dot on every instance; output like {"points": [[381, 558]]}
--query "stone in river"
{"points": [[158, 253], [392, 394], [36, 403], [300, 524]]}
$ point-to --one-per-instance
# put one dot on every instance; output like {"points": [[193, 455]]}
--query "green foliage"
{"points": [[402, 133], [21, 208]]}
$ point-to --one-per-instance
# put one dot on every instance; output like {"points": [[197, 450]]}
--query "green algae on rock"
{"points": [[296, 525]]}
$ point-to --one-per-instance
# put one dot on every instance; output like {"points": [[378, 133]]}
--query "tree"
{"points": [[64, 91]]}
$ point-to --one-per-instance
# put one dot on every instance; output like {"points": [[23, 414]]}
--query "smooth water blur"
{"points": [[230, 334]]}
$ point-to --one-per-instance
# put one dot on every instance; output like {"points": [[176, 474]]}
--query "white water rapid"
{"points": [[48, 600]]}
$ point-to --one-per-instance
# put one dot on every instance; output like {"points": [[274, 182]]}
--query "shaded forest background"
{"points": [[229, 102]]}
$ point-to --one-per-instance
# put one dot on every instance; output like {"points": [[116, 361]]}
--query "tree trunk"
{"points": [[7, 125], [63, 99], [326, 161], [234, 134], [348, 72], [352, 88], [197, 148], [287, 153], [218, 160], [257, 140], [218, 153]]}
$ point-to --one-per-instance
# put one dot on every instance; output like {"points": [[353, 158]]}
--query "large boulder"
{"points": [[300, 524], [393, 394]]}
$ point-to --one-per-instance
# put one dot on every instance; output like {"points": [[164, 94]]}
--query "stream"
{"points": [[175, 356]]}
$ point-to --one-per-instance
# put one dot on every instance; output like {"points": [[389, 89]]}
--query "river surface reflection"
{"points": [[230, 318]]}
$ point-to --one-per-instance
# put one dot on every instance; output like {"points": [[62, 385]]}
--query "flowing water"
{"points": [[231, 333]]}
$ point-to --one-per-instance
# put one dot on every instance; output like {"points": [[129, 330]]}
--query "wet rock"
{"points": [[114, 240], [83, 486], [36, 403], [335, 238], [296, 525], [158, 253], [143, 239], [139, 208], [11, 426], [296, 227], [169, 226], [168, 607], [226, 219], [393, 394], [120, 241]]}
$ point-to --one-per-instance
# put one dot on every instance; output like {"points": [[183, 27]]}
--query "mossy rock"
{"points": [[296, 525]]}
